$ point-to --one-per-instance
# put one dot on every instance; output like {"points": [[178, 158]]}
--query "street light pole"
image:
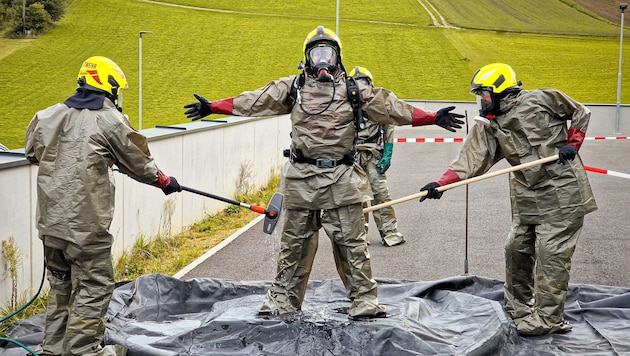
{"points": [[622, 6], [24, 17], [337, 20], [140, 81]]}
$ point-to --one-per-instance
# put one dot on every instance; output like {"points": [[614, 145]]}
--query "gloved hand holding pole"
{"points": [[464, 182]]}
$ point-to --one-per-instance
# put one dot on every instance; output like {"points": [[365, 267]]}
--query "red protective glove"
{"points": [[167, 184]]}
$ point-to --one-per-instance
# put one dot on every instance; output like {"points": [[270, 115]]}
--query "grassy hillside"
{"points": [[608, 9], [533, 16], [218, 49]]}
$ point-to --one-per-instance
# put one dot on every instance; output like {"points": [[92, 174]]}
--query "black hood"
{"points": [[86, 99]]}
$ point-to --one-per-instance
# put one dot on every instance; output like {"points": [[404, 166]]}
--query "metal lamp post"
{"points": [[622, 6], [24, 16], [140, 81], [337, 19]]}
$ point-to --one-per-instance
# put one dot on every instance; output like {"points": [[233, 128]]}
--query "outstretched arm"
{"points": [[381, 105]]}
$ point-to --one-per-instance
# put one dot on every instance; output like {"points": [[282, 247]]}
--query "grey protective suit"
{"points": [[75, 150], [548, 201], [370, 148], [324, 197]]}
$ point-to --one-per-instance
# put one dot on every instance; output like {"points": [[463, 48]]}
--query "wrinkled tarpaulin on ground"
{"points": [[160, 315]]}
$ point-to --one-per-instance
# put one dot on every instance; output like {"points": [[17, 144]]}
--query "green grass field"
{"points": [[531, 16], [220, 48]]}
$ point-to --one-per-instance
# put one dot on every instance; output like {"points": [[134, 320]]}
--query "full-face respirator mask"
{"points": [[322, 61], [486, 101]]}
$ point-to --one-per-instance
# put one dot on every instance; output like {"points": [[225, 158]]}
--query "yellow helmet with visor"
{"points": [[102, 74]]}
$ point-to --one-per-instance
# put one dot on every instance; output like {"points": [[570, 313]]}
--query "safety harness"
{"points": [[352, 89]]}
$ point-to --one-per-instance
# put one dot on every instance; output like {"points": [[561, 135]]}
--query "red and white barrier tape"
{"points": [[461, 139], [600, 138], [430, 139], [607, 172]]}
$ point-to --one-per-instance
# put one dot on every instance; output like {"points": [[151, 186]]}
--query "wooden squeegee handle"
{"points": [[463, 182]]}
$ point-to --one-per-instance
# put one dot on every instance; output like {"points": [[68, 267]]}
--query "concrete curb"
{"points": [[217, 248]]}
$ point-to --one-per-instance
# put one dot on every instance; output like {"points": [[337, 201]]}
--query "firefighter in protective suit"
{"points": [[548, 201], [375, 144], [322, 184], [75, 145]]}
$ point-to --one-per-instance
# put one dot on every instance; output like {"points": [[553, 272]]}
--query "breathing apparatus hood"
{"points": [[490, 84]]}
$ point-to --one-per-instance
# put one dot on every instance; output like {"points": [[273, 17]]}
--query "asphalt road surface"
{"points": [[442, 237]]}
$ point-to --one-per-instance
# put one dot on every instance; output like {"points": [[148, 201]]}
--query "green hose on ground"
{"points": [[41, 285], [19, 344]]}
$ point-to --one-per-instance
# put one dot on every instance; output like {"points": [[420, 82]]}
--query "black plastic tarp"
{"points": [[161, 315]]}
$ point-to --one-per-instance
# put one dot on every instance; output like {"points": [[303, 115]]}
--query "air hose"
{"points": [[332, 98], [19, 344], [41, 285]]}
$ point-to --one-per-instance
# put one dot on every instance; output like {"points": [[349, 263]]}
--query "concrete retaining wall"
{"points": [[206, 155]]}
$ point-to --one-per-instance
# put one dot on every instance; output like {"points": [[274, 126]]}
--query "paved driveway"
{"points": [[441, 236]]}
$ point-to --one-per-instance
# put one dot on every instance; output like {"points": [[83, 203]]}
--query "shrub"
{"points": [[29, 18]]}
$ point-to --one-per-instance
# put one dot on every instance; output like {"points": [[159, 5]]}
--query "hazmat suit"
{"points": [[548, 201], [374, 145], [323, 185], [373, 152], [75, 145]]}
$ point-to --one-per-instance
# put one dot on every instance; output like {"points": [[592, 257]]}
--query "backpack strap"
{"points": [[298, 83], [355, 100]]}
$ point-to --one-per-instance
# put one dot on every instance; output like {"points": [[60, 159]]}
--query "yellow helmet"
{"points": [[319, 37], [101, 73], [496, 78], [361, 73]]}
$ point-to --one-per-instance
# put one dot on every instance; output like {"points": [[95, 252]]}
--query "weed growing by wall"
{"points": [[12, 257]]}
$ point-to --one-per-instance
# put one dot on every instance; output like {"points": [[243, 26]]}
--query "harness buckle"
{"points": [[326, 162]]}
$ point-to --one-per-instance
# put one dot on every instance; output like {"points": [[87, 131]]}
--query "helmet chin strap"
{"points": [[115, 89]]}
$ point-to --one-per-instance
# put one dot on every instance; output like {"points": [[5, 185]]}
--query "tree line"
{"points": [[29, 18]]}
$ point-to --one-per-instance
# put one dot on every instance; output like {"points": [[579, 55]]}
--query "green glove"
{"points": [[386, 160]]}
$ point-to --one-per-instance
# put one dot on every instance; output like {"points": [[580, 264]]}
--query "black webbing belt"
{"points": [[296, 156]]}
